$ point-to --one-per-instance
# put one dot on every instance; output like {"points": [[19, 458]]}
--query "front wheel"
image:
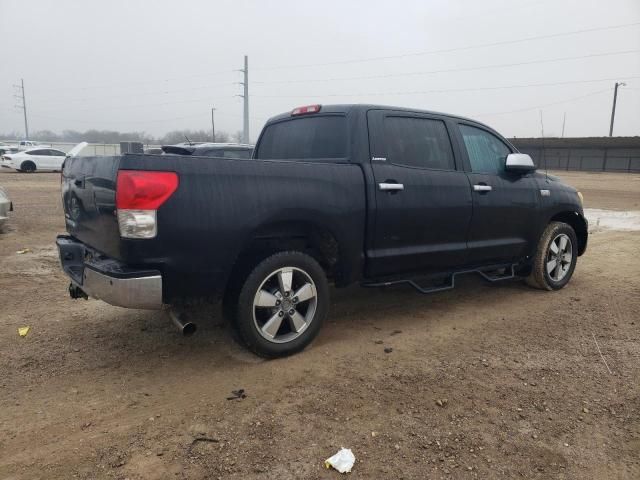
{"points": [[555, 258], [282, 304]]}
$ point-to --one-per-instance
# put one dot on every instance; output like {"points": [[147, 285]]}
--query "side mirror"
{"points": [[519, 162]]}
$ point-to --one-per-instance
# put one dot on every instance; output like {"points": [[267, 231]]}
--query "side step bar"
{"points": [[508, 275]]}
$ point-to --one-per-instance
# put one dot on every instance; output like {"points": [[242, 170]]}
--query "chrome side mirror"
{"points": [[519, 162]]}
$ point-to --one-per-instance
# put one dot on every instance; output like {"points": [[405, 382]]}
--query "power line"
{"points": [[448, 70], [134, 94], [156, 120], [361, 60], [142, 82], [156, 104], [455, 49], [198, 115], [568, 100], [449, 90]]}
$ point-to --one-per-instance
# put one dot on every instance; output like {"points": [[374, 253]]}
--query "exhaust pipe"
{"points": [[186, 327], [76, 292]]}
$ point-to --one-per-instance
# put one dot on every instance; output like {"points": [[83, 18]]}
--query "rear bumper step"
{"points": [[106, 279]]}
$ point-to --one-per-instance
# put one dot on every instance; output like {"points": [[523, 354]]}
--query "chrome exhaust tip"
{"points": [[186, 327]]}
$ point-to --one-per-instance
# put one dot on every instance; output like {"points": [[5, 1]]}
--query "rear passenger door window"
{"points": [[39, 152], [418, 142], [487, 153]]}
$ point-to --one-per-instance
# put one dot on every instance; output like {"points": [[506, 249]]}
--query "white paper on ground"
{"points": [[342, 461]]}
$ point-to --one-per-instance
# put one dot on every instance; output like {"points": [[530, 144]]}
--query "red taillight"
{"points": [[143, 190], [305, 110]]}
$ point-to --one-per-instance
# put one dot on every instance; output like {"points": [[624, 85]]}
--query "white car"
{"points": [[8, 149], [39, 159]]}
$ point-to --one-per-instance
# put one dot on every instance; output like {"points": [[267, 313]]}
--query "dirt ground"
{"points": [[485, 381]]}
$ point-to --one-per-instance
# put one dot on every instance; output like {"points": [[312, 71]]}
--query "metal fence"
{"points": [[592, 154]]}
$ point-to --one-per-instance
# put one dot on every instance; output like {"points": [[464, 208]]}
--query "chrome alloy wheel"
{"points": [[285, 304], [559, 257]]}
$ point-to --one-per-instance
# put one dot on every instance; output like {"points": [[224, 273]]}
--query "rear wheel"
{"points": [[282, 304], [28, 166], [555, 258]]}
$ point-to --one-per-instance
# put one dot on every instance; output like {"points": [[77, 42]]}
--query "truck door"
{"points": [[422, 197], [41, 158], [504, 204]]}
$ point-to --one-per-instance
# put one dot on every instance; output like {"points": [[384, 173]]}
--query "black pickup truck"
{"points": [[343, 193]]}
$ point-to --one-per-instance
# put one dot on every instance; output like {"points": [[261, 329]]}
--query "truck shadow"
{"points": [[356, 313]]}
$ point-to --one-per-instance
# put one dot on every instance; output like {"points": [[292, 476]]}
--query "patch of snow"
{"points": [[628, 221]]}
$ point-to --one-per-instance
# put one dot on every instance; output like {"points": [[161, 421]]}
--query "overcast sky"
{"points": [[157, 66]]}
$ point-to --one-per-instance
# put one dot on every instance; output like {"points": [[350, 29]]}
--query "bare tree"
{"points": [[113, 136], [222, 137], [237, 137]]}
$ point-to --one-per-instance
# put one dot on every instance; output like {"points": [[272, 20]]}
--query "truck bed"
{"points": [[219, 206]]}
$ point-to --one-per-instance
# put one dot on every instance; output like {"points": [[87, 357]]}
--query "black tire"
{"points": [[240, 305], [540, 276], [28, 166]]}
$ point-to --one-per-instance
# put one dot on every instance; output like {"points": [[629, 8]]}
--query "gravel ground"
{"points": [[485, 381]]}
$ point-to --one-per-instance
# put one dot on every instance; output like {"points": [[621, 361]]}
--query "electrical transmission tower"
{"points": [[23, 105], [245, 97]]}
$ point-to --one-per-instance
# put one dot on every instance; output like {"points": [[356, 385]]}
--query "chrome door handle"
{"points": [[482, 188], [390, 186]]}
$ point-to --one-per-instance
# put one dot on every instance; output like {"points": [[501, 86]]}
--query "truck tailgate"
{"points": [[88, 195]]}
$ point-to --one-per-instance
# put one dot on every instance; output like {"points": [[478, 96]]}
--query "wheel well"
{"points": [[316, 241], [578, 224]]}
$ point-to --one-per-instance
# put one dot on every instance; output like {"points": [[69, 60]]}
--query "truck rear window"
{"points": [[305, 138]]}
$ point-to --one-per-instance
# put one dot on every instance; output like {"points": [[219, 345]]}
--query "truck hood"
{"points": [[77, 149]]}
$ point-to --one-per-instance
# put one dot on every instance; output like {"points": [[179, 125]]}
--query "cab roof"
{"points": [[364, 107]]}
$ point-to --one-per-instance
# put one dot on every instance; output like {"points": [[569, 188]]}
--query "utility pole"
{"points": [[613, 109], [23, 106], [245, 96], [564, 120], [213, 125]]}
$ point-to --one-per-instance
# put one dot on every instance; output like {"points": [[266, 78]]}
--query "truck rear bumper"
{"points": [[107, 279], [135, 292]]}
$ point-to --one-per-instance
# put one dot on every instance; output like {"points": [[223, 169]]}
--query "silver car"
{"points": [[5, 207]]}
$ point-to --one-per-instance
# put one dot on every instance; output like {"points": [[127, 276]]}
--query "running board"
{"points": [[452, 279]]}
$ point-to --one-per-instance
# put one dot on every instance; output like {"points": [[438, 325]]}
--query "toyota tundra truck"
{"points": [[338, 194]]}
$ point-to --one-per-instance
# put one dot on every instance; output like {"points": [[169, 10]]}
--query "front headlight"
{"points": [[581, 198]]}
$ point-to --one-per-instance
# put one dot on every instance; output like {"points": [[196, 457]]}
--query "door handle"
{"points": [[482, 188], [390, 186]]}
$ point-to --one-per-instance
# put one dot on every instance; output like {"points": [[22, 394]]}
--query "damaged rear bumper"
{"points": [[107, 279]]}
